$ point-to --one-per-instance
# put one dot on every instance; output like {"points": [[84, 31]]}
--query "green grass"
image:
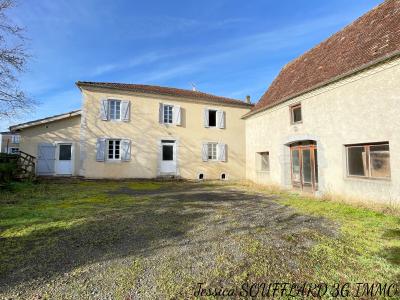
{"points": [[367, 248]]}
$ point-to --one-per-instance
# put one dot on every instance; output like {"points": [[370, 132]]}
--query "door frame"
{"points": [[314, 167], [57, 144], [175, 153]]}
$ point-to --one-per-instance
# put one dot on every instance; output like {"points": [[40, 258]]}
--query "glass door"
{"points": [[304, 166]]}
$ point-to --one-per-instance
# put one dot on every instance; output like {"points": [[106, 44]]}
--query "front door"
{"points": [[304, 166], [64, 159], [168, 157]]}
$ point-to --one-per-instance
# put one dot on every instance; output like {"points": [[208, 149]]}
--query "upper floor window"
{"points": [[115, 109], [368, 160], [170, 114], [167, 114], [263, 161], [15, 138], [214, 118], [295, 114]]}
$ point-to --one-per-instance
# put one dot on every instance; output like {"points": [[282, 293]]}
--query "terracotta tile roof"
{"points": [[167, 91], [371, 38]]}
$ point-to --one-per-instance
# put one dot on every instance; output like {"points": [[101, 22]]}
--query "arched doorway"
{"points": [[304, 165]]}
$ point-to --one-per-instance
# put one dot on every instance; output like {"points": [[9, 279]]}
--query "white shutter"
{"points": [[125, 110], [220, 119], [221, 152], [176, 115], [125, 150], [206, 117], [104, 109], [101, 149], [204, 152], [161, 113]]}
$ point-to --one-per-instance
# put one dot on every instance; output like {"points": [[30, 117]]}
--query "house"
{"points": [[329, 122], [9, 142], [141, 131]]}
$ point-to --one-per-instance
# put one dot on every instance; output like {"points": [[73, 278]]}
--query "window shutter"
{"points": [[104, 109], [125, 150], [160, 113], [204, 152], [221, 119], [176, 115], [206, 117], [221, 152], [101, 149], [125, 110]]}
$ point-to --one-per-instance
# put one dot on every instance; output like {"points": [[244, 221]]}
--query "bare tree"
{"points": [[13, 60]]}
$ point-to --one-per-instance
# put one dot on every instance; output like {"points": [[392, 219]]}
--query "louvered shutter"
{"points": [[126, 150], [221, 152], [125, 110], [205, 117], [160, 113], [104, 109], [221, 119], [204, 152], [176, 115], [101, 149]]}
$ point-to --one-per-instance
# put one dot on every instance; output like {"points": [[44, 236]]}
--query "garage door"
{"points": [[46, 159]]}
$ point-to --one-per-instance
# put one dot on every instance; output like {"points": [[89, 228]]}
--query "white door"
{"points": [[64, 159], [168, 157], [46, 159]]}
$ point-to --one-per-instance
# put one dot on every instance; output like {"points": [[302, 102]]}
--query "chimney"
{"points": [[248, 99]]}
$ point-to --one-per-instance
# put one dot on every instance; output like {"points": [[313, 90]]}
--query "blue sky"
{"points": [[229, 48]]}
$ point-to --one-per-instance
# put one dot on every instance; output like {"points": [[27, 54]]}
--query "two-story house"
{"points": [[141, 131], [9, 142]]}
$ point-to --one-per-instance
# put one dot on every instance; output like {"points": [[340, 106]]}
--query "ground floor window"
{"points": [[114, 149], [212, 151], [368, 160], [263, 161], [13, 150]]}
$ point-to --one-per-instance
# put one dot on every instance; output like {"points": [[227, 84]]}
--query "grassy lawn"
{"points": [[158, 240]]}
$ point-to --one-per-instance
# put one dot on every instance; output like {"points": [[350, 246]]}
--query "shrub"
{"points": [[8, 167]]}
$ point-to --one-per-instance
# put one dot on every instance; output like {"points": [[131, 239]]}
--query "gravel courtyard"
{"points": [[154, 240]]}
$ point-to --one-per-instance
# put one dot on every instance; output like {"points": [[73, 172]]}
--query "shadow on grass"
{"points": [[392, 254], [106, 235]]}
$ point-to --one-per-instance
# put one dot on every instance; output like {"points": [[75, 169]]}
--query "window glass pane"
{"points": [[296, 114], [168, 114], [65, 152], [168, 152], [295, 165], [115, 109], [380, 161], [212, 118], [212, 151], [264, 161], [110, 149], [306, 166], [357, 161]]}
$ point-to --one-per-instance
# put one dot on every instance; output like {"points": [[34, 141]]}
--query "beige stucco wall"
{"points": [[145, 133], [65, 130], [363, 108]]}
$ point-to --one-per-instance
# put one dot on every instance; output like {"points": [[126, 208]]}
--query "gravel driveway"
{"points": [[167, 242]]}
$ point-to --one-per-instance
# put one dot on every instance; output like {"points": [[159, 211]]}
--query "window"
{"points": [[15, 139], [65, 152], [115, 109], [368, 160], [212, 118], [263, 161], [13, 150], [114, 149], [223, 176], [201, 176], [295, 114], [167, 114], [212, 151]]}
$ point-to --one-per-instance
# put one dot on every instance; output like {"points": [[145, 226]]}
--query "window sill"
{"points": [[368, 179], [263, 172], [113, 161]]}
